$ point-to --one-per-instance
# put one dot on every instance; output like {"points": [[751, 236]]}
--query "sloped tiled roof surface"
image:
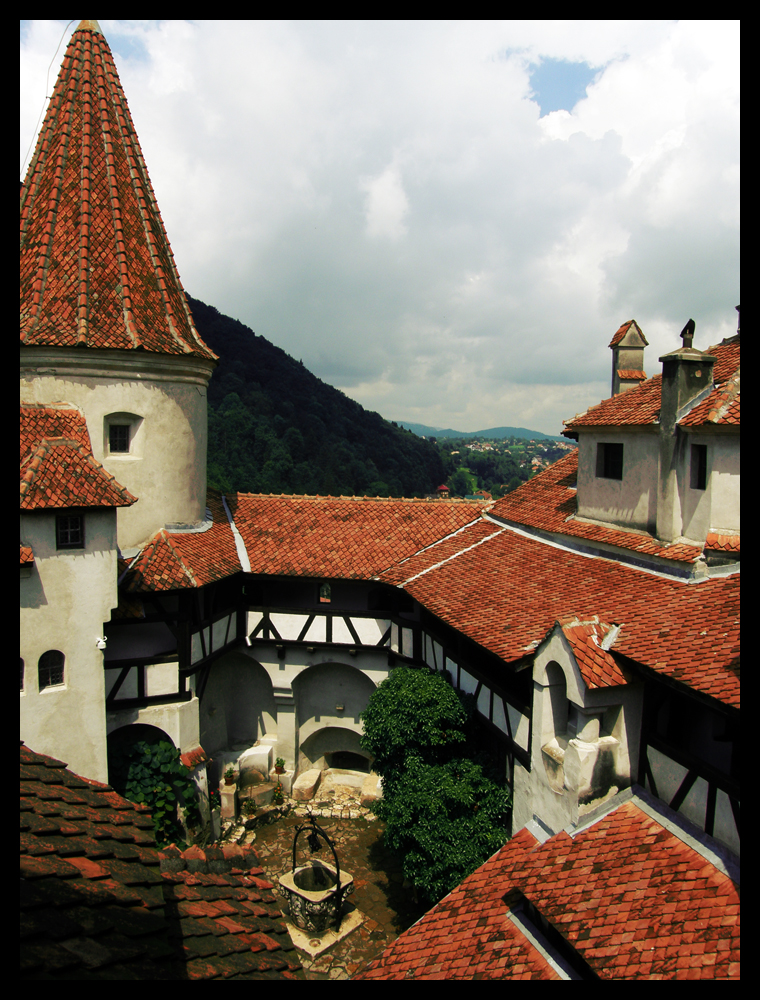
{"points": [[177, 560], [98, 900], [549, 502], [96, 266], [506, 591], [597, 665], [627, 373], [57, 466], [348, 537], [720, 407], [640, 405], [27, 556], [632, 899], [623, 330]]}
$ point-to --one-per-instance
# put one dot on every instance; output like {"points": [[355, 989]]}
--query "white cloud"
{"points": [[383, 199], [386, 204]]}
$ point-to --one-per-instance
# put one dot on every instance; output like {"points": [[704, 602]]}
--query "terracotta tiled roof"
{"points": [[59, 471], [640, 405], [720, 407], [27, 556], [346, 537], [98, 901], [723, 543], [621, 332], [505, 592], [178, 560], [596, 664], [194, 757], [628, 373], [96, 266], [630, 897], [548, 502]]}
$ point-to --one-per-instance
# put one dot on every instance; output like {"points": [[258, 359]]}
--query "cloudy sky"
{"points": [[445, 220]]}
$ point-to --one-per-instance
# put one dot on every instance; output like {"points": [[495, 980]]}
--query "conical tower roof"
{"points": [[96, 266]]}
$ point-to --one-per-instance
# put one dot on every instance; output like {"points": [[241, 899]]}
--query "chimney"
{"points": [[687, 377], [627, 357]]}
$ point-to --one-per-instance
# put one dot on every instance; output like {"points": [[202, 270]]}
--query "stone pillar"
{"points": [[286, 725]]}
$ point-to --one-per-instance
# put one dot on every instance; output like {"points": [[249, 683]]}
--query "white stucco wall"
{"points": [[630, 502], [65, 600], [166, 466]]}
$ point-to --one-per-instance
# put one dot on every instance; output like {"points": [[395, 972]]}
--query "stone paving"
{"points": [[387, 905]]}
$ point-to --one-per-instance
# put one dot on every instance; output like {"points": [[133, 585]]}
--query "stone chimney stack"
{"points": [[687, 377], [627, 357]]}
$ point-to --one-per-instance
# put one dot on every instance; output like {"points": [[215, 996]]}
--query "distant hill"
{"points": [[492, 432], [276, 428]]}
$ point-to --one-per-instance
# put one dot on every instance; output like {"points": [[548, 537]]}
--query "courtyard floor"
{"points": [[388, 908]]}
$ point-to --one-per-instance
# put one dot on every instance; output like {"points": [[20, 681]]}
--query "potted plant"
{"points": [[279, 765], [277, 795], [229, 776]]}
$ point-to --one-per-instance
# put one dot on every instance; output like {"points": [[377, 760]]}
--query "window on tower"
{"points": [[118, 438], [50, 669]]}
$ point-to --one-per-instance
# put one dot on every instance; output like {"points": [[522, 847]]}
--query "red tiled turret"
{"points": [[96, 266]]}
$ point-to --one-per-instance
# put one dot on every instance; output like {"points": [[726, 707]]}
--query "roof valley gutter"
{"points": [[239, 543]]}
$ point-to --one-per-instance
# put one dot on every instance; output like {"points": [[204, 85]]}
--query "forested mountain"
{"points": [[491, 433], [276, 428]]}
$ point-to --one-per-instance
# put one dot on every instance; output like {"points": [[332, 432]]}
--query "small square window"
{"points": [[609, 461], [118, 438], [699, 467], [69, 531], [325, 593]]}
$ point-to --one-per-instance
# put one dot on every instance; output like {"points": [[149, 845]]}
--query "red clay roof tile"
{"points": [[87, 188], [640, 405], [548, 502], [621, 332], [631, 898], [57, 466], [505, 592], [99, 901]]}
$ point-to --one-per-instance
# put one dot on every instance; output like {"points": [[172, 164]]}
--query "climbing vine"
{"points": [[153, 774]]}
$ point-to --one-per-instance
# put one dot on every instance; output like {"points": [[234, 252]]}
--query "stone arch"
{"points": [[237, 704], [329, 697], [120, 740], [333, 746]]}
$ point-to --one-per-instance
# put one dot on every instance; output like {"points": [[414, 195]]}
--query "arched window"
{"points": [[50, 668]]}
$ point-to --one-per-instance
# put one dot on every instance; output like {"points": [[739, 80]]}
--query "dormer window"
{"points": [[609, 461]]}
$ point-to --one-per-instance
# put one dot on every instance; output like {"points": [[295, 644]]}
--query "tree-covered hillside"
{"points": [[276, 428]]}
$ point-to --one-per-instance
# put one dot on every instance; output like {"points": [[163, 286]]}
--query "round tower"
{"points": [[104, 320]]}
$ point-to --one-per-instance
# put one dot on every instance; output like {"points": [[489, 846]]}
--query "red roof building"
{"points": [[592, 614]]}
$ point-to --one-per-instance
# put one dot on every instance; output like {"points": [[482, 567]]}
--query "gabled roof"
{"points": [[548, 502], [58, 469], [640, 405], [628, 894], [590, 642], [99, 901], [96, 266], [635, 332]]}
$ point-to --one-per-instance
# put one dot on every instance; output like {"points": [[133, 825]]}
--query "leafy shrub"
{"points": [[153, 774], [444, 812]]}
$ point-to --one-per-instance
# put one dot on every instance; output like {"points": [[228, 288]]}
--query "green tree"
{"points": [[444, 812]]}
